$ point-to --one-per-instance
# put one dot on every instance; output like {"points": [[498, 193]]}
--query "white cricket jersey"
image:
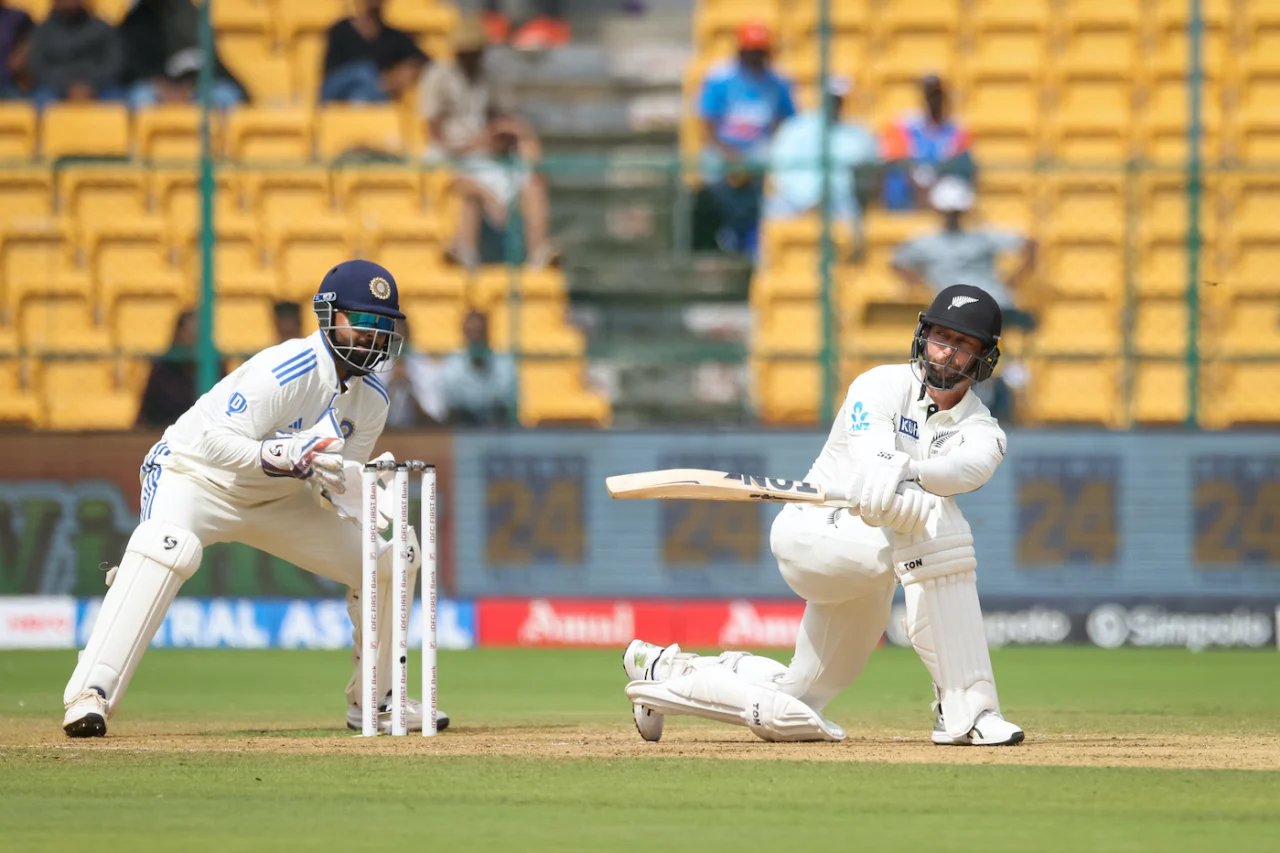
{"points": [[888, 408], [288, 388]]}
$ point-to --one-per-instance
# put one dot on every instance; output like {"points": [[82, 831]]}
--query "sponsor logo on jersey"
{"points": [[296, 424], [859, 419], [908, 426], [237, 404]]}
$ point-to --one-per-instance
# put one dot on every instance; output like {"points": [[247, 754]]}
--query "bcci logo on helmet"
{"points": [[380, 288]]}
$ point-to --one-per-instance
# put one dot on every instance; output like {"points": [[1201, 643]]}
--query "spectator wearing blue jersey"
{"points": [[742, 104], [795, 164], [923, 146]]}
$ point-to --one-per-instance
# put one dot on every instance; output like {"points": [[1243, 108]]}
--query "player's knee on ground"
{"points": [[828, 556], [159, 558], [944, 618]]}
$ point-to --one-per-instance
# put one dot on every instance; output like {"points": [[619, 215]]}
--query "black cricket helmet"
{"points": [[970, 311]]}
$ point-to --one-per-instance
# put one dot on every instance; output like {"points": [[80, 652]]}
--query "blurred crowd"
{"points": [[763, 160]]}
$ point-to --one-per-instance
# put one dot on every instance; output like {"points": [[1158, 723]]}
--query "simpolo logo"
{"points": [[1113, 625]]}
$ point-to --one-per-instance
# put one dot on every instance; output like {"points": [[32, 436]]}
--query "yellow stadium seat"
{"points": [[859, 284], [894, 97], [788, 327], [847, 58], [1086, 266], [1236, 398], [1078, 327], [1258, 124], [1084, 204], [1255, 202], [416, 260], [111, 11], [85, 395], [784, 283], [242, 325], [787, 391], [306, 52], [37, 9], [171, 133], [1163, 210], [902, 15], [1014, 56], [1162, 266], [124, 251], [552, 391], [377, 199], [796, 242], [1252, 327], [1174, 15], [1164, 123], [718, 21], [175, 194], [916, 38], [415, 16], [800, 23], [341, 128], [304, 253], [1092, 121], [1255, 264], [1005, 121], [1074, 391], [241, 16], [100, 130], [289, 198], [143, 310], [1008, 200], [38, 261], [883, 328], [435, 322], [541, 328], [988, 16], [17, 131], [1160, 327], [91, 195], [308, 16], [61, 324], [281, 135], [26, 196], [1159, 393], [19, 404], [495, 283], [1168, 61], [264, 70]]}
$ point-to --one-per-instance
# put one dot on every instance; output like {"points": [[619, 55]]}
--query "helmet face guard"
{"points": [[960, 365], [358, 357]]}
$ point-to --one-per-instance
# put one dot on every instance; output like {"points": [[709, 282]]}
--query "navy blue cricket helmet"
{"points": [[369, 332]]}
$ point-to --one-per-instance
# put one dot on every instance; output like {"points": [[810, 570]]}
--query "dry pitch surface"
{"points": [[1134, 749]]}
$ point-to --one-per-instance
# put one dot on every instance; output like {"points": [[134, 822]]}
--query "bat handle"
{"points": [[837, 496]]}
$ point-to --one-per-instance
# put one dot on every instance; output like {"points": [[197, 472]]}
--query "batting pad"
{"points": [[160, 557], [717, 693]]}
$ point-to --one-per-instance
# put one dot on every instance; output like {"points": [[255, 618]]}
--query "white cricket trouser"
{"points": [[844, 570]]}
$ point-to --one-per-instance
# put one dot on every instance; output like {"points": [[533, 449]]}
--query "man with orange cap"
{"points": [[742, 103]]}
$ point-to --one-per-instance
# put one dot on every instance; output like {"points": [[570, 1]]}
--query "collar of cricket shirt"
{"points": [[325, 364]]}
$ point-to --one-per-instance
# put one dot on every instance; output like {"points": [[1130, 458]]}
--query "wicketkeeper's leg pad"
{"points": [[718, 693], [944, 618], [159, 558]]}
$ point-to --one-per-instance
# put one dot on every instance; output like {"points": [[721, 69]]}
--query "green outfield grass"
{"points": [[245, 751]]}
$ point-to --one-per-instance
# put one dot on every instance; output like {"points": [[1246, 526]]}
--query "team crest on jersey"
{"points": [[347, 427], [380, 287], [909, 427], [859, 420]]}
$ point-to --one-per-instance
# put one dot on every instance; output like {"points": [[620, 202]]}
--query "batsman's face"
{"points": [[951, 353]]}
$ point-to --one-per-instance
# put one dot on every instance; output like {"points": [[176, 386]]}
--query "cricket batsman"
{"points": [[908, 439], [262, 458]]}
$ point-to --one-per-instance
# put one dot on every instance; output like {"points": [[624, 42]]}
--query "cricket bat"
{"points": [[698, 484]]}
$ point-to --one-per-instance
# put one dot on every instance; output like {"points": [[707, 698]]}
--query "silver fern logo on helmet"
{"points": [[961, 301]]}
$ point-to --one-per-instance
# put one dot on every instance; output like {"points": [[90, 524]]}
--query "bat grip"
{"points": [[837, 496]]}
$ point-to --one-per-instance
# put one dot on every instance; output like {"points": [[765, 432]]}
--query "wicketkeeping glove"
{"points": [[303, 455]]}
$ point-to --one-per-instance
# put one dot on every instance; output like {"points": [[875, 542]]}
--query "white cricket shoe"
{"points": [[990, 729], [413, 717], [640, 661], [86, 715]]}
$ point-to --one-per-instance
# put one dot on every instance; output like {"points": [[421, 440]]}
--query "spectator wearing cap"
{"points": [[742, 104], [366, 61], [470, 118], [545, 28], [74, 56], [795, 163], [15, 29], [163, 57], [923, 146]]}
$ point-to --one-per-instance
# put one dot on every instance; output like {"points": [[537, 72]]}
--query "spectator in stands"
{"points": [[470, 118], [922, 147], [795, 163], [742, 104], [74, 56], [415, 386], [479, 384], [15, 28], [545, 29], [287, 317], [171, 386], [366, 61], [163, 57], [959, 255]]}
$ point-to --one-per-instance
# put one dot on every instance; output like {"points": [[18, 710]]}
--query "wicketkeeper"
{"points": [[908, 438], [236, 468]]}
